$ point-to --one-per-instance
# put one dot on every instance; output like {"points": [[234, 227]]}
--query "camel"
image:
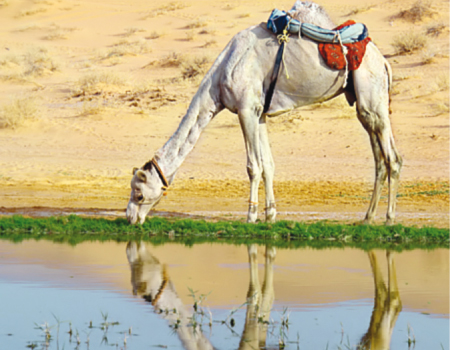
{"points": [[386, 308], [239, 80]]}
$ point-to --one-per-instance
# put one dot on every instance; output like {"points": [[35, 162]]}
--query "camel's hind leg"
{"points": [[372, 93]]}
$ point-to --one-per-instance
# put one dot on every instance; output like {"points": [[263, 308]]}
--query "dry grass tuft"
{"points": [[190, 35], [359, 10], [418, 12], [128, 48], [172, 6], [196, 67], [57, 34], [99, 81], [17, 113], [428, 57], [436, 29], [245, 15], [38, 62], [211, 31], [133, 30], [408, 42], [32, 12], [442, 81], [231, 5], [210, 43], [174, 59], [198, 23], [442, 108], [92, 108], [155, 35]]}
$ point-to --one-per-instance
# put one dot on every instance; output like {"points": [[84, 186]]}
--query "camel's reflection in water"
{"points": [[386, 308], [150, 280]]}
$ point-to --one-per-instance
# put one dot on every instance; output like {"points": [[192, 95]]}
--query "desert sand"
{"points": [[90, 89]]}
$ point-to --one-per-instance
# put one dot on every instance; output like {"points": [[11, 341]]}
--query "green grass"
{"points": [[74, 229]]}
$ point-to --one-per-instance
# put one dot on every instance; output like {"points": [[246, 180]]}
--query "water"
{"points": [[328, 297]]}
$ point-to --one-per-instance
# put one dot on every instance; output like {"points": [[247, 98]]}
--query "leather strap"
{"points": [[154, 163]]}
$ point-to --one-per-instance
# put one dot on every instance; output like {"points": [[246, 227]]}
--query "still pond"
{"points": [[109, 295]]}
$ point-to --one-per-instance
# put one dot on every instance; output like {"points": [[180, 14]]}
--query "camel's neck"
{"points": [[204, 106]]}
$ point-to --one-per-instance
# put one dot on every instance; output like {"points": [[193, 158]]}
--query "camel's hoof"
{"points": [[365, 222], [251, 219], [271, 217], [390, 222]]}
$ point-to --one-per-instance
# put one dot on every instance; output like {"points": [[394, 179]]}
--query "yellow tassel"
{"points": [[284, 38]]}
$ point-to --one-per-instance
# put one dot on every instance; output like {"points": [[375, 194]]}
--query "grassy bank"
{"points": [[74, 229]]}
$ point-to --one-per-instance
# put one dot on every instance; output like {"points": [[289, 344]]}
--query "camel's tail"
{"points": [[388, 68]]}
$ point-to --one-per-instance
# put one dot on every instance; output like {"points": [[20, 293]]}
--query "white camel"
{"points": [[239, 80]]}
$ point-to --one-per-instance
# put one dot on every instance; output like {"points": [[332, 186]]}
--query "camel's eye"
{"points": [[140, 197]]}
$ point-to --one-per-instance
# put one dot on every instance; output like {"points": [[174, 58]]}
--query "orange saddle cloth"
{"points": [[334, 57]]}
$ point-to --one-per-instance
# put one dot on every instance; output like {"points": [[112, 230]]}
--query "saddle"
{"points": [[349, 37], [353, 36]]}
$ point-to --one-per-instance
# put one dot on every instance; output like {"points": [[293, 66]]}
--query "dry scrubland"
{"points": [[89, 89]]}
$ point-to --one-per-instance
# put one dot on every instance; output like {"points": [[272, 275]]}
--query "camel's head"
{"points": [[147, 188]]}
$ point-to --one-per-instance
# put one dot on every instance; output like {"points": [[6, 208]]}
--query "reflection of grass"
{"points": [[74, 229]]}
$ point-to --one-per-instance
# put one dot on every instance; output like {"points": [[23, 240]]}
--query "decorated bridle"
{"points": [[154, 163]]}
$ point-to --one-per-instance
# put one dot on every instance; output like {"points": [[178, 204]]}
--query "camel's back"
{"points": [[310, 12]]}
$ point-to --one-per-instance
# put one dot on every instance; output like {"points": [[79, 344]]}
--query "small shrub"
{"points": [[128, 48], [360, 10], [58, 34], [211, 31], [194, 68], [418, 12], [174, 59], [32, 12], [408, 42], [436, 29], [98, 81], [38, 63], [442, 81], [17, 112], [133, 30], [210, 43], [428, 57], [91, 108], [190, 35], [155, 35], [199, 23]]}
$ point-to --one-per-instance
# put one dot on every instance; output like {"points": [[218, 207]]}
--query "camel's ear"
{"points": [[134, 170], [141, 176]]}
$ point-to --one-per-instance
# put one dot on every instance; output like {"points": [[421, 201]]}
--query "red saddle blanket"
{"points": [[334, 57]]}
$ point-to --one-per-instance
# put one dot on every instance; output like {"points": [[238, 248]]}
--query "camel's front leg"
{"points": [[249, 120], [268, 170]]}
